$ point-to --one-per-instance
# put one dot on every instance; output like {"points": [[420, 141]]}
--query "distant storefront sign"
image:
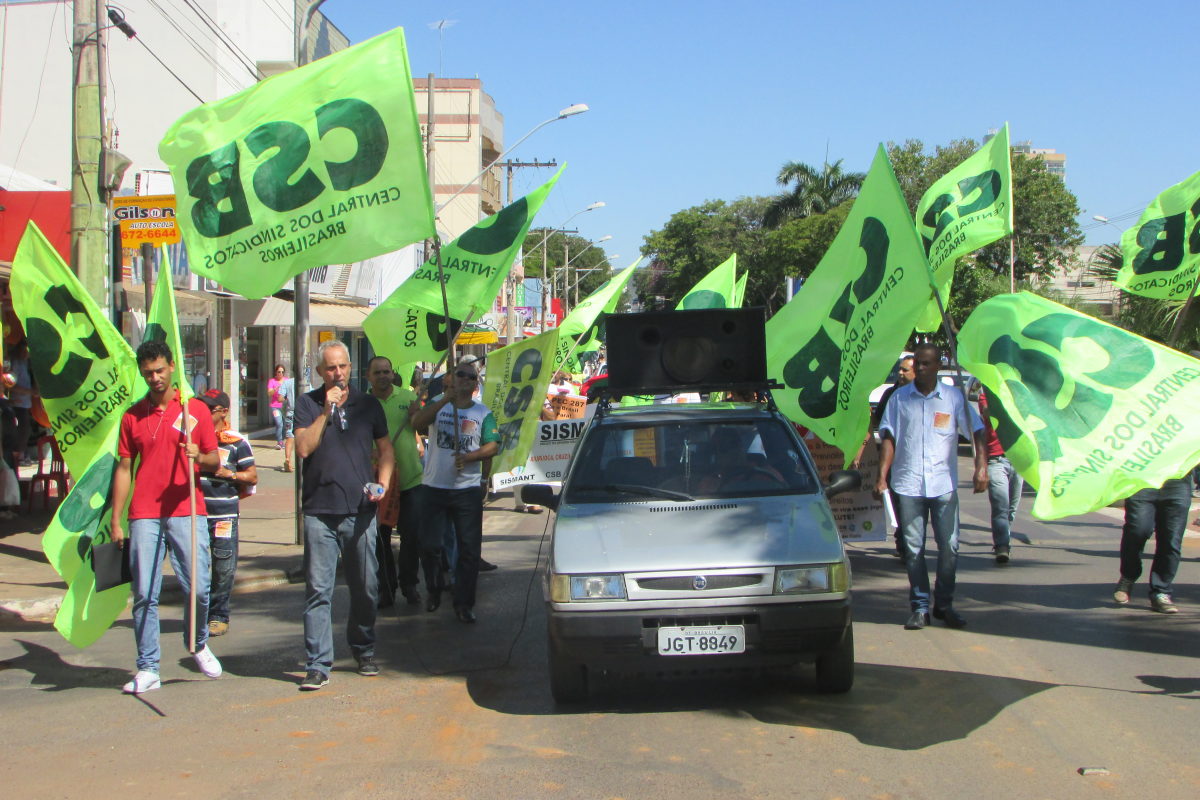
{"points": [[146, 219]]}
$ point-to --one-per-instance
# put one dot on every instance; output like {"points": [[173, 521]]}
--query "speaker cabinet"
{"points": [[703, 350]]}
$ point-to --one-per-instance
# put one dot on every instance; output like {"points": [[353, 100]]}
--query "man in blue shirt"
{"points": [[919, 444]]}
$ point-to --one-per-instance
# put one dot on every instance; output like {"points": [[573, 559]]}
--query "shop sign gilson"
{"points": [[146, 219]]}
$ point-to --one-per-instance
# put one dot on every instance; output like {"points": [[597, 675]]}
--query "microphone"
{"points": [[337, 414]]}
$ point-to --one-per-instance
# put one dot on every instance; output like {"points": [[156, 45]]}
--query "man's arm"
{"points": [[483, 453], [981, 474], [887, 454], [385, 463], [426, 415], [122, 480], [308, 439]]}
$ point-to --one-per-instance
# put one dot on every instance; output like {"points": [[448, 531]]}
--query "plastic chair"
{"points": [[57, 474]]}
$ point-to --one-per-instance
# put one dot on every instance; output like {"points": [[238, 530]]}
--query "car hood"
{"points": [[662, 535]]}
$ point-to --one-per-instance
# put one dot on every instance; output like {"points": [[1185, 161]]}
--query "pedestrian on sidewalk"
{"points": [[1004, 486], [275, 401], [398, 509], [287, 394], [152, 431], [1163, 513], [464, 435], [235, 478], [919, 444], [336, 428]]}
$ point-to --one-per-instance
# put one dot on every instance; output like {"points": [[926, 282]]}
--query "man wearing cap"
{"points": [[234, 478]]}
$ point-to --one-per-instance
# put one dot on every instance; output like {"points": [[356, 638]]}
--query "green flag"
{"points": [[319, 165], [1162, 252], [967, 208], [715, 290], [87, 377], [409, 325], [739, 291], [162, 323], [837, 338], [583, 317], [1089, 413], [517, 378]]}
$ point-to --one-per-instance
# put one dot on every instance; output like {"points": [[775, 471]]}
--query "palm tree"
{"points": [[1145, 316], [815, 191]]}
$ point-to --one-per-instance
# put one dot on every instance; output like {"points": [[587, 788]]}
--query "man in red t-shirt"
{"points": [[159, 514]]}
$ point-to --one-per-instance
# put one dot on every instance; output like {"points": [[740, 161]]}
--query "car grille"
{"points": [[654, 623], [680, 583], [677, 508]]}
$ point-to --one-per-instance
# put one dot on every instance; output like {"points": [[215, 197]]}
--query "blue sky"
{"points": [[705, 100]]}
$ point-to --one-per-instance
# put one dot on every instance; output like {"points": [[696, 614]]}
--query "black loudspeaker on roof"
{"points": [[703, 350]]}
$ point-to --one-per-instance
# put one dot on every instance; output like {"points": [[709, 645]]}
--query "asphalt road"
{"points": [[1049, 677]]}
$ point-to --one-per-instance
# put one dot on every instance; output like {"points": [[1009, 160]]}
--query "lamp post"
{"points": [[580, 273], [566, 267], [544, 302]]}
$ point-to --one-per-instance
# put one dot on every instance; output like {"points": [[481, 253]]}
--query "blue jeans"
{"points": [[461, 509], [277, 421], [1004, 493], [149, 541], [224, 551], [325, 537], [942, 513], [1162, 512]]}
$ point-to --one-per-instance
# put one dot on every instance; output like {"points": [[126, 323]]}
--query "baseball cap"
{"points": [[215, 397]]}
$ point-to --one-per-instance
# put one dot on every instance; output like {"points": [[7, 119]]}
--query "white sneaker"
{"points": [[207, 662], [144, 681]]}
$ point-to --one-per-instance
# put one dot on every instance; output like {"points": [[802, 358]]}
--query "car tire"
{"points": [[568, 679], [835, 668]]}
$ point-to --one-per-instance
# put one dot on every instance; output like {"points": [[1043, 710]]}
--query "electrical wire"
{"points": [[168, 69], [201, 50], [222, 37], [37, 97]]}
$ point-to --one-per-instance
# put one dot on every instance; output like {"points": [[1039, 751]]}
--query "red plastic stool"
{"points": [[56, 475]]}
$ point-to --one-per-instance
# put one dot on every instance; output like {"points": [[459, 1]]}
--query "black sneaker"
{"points": [[951, 617], [313, 679], [1002, 556], [367, 667], [486, 566]]}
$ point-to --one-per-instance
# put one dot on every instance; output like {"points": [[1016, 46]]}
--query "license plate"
{"points": [[702, 641]]}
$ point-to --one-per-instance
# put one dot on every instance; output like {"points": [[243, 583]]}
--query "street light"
{"points": [[579, 273], [566, 267], [569, 111]]}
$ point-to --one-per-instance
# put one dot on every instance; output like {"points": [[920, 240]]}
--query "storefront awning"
{"points": [[276, 313]]}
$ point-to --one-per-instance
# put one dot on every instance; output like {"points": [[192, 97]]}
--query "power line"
{"points": [[168, 69], [225, 39], [218, 68]]}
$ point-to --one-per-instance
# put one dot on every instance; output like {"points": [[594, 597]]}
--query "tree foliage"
{"points": [[1147, 316], [588, 264], [814, 191]]}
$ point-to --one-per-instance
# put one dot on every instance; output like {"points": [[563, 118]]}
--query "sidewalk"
{"points": [[30, 589]]}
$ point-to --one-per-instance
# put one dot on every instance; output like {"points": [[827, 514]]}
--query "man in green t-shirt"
{"points": [[398, 510]]}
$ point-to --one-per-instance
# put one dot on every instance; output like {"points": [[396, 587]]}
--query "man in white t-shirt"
{"points": [[463, 435]]}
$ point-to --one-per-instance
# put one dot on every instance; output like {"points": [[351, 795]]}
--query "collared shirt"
{"points": [[221, 494], [336, 472], [925, 430], [154, 436], [404, 441]]}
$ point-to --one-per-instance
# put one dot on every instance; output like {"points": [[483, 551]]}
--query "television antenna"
{"points": [[440, 26]]}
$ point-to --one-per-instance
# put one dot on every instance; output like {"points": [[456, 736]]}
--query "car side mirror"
{"points": [[539, 494], [843, 480]]}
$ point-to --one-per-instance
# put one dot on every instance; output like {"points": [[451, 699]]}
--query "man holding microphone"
{"points": [[335, 429]]}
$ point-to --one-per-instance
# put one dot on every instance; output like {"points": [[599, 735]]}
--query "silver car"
{"points": [[694, 537]]}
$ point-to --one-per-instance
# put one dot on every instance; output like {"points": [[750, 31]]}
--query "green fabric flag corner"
{"points": [[1162, 252], [162, 323], [409, 325], [967, 208], [739, 291], [87, 377], [839, 336], [517, 379], [1088, 413], [319, 165], [714, 290]]}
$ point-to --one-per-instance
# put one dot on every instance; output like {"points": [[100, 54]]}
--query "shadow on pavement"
{"points": [[47, 669]]}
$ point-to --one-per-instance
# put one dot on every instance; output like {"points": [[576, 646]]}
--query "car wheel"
{"points": [[835, 669], [568, 679]]}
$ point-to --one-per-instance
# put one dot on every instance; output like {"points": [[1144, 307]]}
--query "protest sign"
{"points": [[859, 514], [1162, 252], [550, 455], [967, 208], [714, 290], [319, 165], [517, 378], [1088, 413], [836, 340], [87, 376], [410, 325]]}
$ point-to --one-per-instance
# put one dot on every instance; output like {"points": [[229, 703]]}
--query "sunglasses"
{"points": [[470, 375]]}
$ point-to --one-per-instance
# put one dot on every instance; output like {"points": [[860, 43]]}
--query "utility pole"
{"points": [[510, 283], [89, 202]]}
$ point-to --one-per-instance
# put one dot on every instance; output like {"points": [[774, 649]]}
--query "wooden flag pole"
{"points": [[191, 481]]}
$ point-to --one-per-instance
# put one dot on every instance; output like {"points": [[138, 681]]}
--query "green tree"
{"points": [[813, 191], [1146, 316], [588, 263]]}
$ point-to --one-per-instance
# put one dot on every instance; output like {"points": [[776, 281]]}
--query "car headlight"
{"points": [[575, 588], [812, 580]]}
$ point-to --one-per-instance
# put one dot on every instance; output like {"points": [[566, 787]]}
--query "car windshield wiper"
{"points": [[648, 491]]}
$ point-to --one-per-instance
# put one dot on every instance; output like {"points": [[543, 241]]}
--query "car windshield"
{"points": [[681, 461]]}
